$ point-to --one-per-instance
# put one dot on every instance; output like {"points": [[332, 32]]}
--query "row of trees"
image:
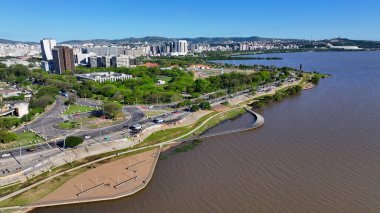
{"points": [[205, 105]]}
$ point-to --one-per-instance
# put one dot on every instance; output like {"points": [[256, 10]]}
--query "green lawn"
{"points": [[219, 118], [23, 139], [69, 125], [168, 134], [73, 109]]}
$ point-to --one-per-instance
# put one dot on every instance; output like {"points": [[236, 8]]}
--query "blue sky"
{"points": [[111, 19]]}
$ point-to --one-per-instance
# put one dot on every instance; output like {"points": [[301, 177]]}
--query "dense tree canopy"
{"points": [[142, 88], [6, 137]]}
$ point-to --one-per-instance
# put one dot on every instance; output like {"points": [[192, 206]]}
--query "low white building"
{"points": [[21, 108], [160, 82], [105, 76]]}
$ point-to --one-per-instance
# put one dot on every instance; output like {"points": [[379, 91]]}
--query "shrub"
{"points": [[194, 108], [315, 79], [73, 141]]}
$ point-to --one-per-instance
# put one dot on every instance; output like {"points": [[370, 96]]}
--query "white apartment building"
{"points": [[182, 47], [47, 46], [122, 61]]}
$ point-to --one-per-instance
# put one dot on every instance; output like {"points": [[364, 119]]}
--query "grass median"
{"points": [[168, 134], [23, 139], [232, 113], [73, 109]]}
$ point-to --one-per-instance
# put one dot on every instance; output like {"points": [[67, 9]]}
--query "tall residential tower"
{"points": [[47, 45], [182, 47], [63, 58]]}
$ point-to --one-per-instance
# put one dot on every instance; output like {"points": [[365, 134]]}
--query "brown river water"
{"points": [[317, 152]]}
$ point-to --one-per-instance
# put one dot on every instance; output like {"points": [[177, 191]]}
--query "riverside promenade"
{"points": [[84, 190], [109, 181], [116, 179]]}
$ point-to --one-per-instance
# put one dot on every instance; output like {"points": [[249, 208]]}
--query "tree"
{"points": [[48, 91], [73, 141], [72, 100], [6, 137], [9, 122], [315, 79], [205, 105], [1, 101], [41, 102], [112, 109], [194, 108]]}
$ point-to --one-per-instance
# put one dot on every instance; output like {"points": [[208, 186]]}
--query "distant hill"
{"points": [[156, 39], [6, 41], [365, 44], [348, 42]]}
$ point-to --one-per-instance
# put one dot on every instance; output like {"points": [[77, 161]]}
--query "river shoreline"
{"points": [[239, 103]]}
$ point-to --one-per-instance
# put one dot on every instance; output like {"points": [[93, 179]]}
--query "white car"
{"points": [[87, 137], [5, 155]]}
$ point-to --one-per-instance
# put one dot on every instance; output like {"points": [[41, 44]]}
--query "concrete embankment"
{"points": [[259, 121]]}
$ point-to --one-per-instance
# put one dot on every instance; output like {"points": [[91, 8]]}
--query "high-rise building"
{"points": [[122, 61], [63, 58], [93, 61], [182, 47], [47, 45], [106, 61]]}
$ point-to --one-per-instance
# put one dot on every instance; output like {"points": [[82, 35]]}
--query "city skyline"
{"points": [[70, 20]]}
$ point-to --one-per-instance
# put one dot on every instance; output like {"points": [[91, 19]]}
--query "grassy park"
{"points": [[24, 138]]}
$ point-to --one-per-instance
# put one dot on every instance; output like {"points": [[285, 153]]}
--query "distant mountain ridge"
{"points": [[6, 41], [157, 39], [210, 40]]}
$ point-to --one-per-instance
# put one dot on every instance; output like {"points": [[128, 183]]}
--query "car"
{"points": [[30, 150], [87, 137], [5, 155], [158, 120], [136, 127]]}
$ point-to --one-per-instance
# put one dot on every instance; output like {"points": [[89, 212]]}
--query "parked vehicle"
{"points": [[5, 155], [158, 120], [30, 150], [136, 127]]}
